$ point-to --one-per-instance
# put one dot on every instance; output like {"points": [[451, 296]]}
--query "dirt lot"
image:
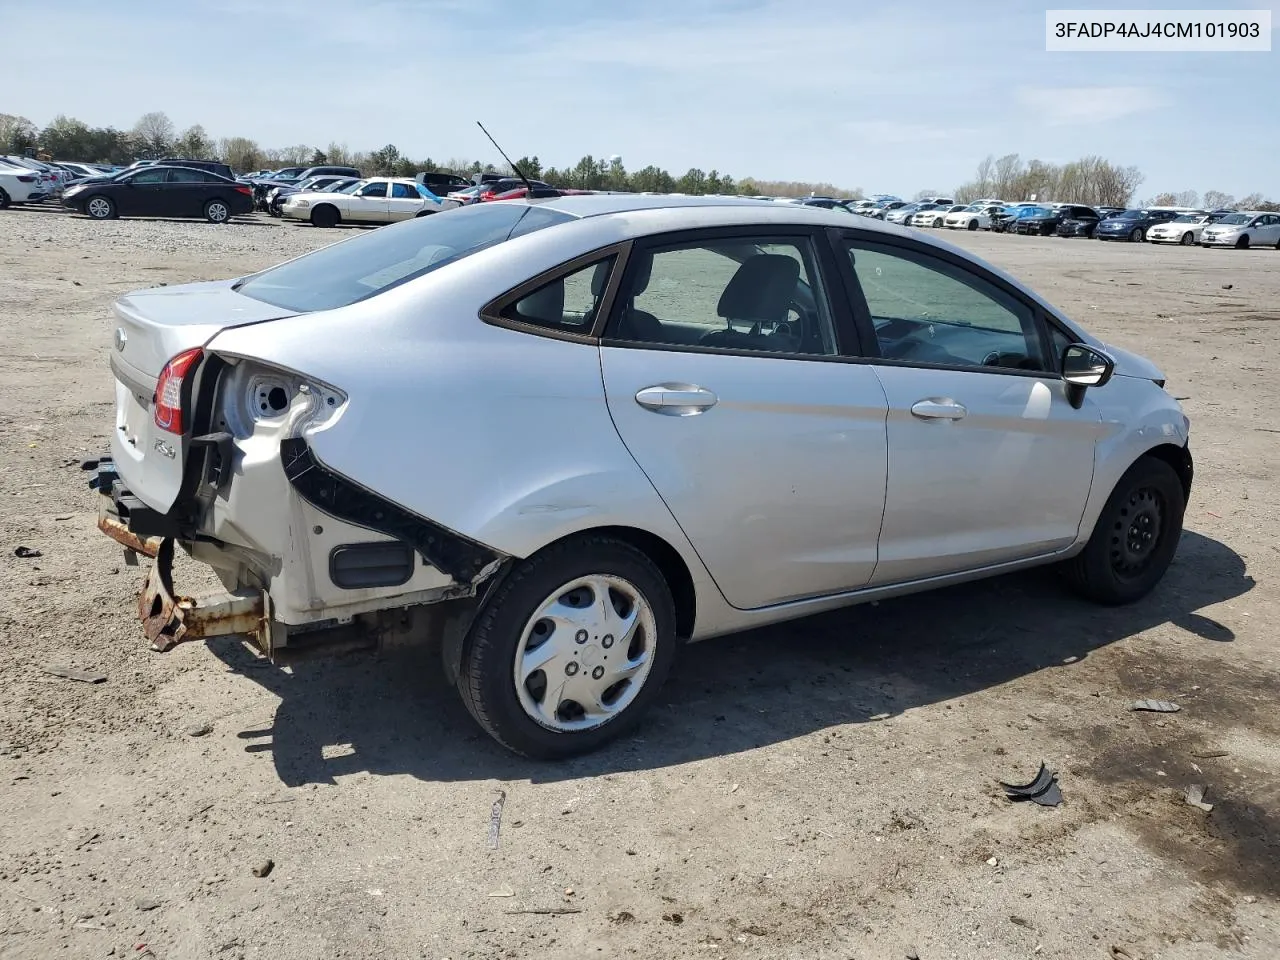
{"points": [[768, 808]]}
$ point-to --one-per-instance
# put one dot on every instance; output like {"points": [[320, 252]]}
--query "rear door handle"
{"points": [[938, 408], [676, 399]]}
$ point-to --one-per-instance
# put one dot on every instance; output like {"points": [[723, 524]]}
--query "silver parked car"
{"points": [[567, 437]]}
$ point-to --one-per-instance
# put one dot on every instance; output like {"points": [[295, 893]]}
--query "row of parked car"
{"points": [[1175, 225], [327, 195]]}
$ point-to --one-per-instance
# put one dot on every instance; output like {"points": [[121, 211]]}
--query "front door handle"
{"points": [[676, 399], [938, 408]]}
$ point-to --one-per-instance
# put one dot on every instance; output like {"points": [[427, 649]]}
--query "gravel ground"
{"points": [[825, 789]]}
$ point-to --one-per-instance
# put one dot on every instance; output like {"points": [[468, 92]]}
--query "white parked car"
{"points": [[566, 437], [1253, 229], [934, 217], [1184, 229], [976, 216], [377, 200], [50, 185], [20, 185]]}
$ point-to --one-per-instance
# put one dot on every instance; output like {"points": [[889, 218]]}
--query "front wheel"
{"points": [[1135, 537], [1243, 242], [100, 208], [325, 216], [1136, 236], [5, 200], [571, 649], [973, 224], [216, 211], [1188, 239]]}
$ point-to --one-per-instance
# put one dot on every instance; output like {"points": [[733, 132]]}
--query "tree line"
{"points": [[155, 136], [1090, 180]]}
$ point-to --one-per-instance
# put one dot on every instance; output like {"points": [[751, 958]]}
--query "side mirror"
{"points": [[1084, 367]]}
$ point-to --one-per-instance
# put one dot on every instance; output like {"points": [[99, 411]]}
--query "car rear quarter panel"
{"points": [[500, 435]]}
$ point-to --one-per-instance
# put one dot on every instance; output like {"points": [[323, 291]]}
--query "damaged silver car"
{"points": [[563, 438]]}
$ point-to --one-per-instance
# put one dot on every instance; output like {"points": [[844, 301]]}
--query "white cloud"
{"points": [[1073, 106]]}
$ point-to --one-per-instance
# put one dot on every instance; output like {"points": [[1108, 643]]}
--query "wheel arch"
{"points": [[675, 571]]}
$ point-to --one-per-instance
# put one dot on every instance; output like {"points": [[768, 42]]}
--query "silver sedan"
{"points": [[566, 438]]}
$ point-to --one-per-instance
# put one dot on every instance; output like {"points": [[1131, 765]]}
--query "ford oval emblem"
{"points": [[121, 338]]}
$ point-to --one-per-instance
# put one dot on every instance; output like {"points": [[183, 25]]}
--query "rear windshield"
{"points": [[366, 265]]}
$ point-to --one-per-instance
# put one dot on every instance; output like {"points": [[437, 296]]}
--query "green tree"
{"points": [[383, 162], [318, 158], [531, 167], [693, 182], [66, 138], [194, 144]]}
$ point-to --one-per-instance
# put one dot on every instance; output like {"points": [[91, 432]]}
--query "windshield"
{"points": [[1131, 215], [1236, 218], [1189, 218], [371, 263]]}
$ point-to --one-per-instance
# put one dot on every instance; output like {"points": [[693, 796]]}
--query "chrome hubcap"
{"points": [[99, 207], [217, 211], [585, 654], [1137, 532]]}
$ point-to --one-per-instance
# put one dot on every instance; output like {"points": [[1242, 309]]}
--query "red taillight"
{"points": [[168, 404], [247, 191]]}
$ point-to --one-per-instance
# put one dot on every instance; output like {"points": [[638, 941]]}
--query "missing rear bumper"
{"points": [[168, 619]]}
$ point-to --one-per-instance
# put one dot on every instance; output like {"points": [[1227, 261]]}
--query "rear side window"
{"points": [[402, 191], [570, 302], [371, 263]]}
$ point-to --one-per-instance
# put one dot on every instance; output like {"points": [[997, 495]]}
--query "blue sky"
{"points": [[891, 97]]}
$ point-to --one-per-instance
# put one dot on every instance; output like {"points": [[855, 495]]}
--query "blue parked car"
{"points": [[1132, 225]]}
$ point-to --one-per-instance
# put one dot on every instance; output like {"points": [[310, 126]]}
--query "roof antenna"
{"points": [[519, 172]]}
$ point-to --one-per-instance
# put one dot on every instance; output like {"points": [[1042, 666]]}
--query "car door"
{"points": [[404, 203], [369, 203], [1268, 230], [989, 462], [184, 192], [722, 375], [140, 195]]}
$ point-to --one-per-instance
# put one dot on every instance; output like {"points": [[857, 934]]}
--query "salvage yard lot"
{"points": [[824, 789]]}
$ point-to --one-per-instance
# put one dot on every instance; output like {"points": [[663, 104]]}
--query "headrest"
{"points": [[600, 277], [762, 288], [545, 305]]}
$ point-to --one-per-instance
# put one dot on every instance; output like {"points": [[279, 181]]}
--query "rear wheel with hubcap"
{"points": [[100, 208], [216, 211], [1135, 537], [571, 649]]}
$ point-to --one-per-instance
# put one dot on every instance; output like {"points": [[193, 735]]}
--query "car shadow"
{"points": [[393, 713]]}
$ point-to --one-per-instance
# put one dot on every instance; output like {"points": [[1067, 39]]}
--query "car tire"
{"points": [[1243, 242], [1188, 239], [1135, 537], [1136, 236], [100, 208], [5, 200], [937, 224], [973, 224], [570, 576], [217, 211], [325, 216]]}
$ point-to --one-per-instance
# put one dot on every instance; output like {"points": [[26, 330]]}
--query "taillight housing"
{"points": [[171, 388], [247, 191], [26, 179]]}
